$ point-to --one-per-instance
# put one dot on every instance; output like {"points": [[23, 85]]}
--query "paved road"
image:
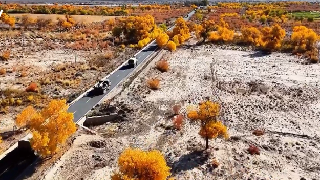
{"points": [[82, 106]]}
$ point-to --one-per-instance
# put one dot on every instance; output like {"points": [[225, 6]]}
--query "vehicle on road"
{"points": [[133, 62], [101, 87]]}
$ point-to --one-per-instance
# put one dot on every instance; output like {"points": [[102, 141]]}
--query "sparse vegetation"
{"points": [[153, 83], [162, 65]]}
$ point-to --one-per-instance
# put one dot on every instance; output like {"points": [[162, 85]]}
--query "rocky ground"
{"points": [[273, 93], [54, 70]]}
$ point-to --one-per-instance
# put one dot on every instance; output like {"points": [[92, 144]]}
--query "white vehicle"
{"points": [[133, 62]]}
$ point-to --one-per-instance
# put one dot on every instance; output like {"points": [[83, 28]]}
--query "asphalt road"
{"points": [[83, 105]]}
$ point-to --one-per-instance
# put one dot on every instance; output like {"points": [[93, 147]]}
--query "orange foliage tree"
{"points": [[222, 34], [162, 40], [202, 31], [272, 37], [7, 19], [171, 46], [139, 165], [141, 29], [252, 36], [180, 32], [207, 114], [50, 127], [303, 39]]}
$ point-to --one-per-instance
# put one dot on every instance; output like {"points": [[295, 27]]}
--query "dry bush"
{"points": [[101, 60], [177, 121], [215, 163], [33, 87], [254, 150], [154, 83], [258, 132], [3, 71], [5, 55], [176, 108], [163, 65]]}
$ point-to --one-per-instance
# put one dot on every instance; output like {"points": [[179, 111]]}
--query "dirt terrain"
{"points": [[275, 93]]}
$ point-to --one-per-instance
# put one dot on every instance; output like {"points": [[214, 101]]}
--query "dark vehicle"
{"points": [[101, 87], [132, 62]]}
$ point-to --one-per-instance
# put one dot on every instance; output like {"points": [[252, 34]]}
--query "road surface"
{"points": [[83, 105]]}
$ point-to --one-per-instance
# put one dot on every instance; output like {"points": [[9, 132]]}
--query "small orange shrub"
{"points": [[33, 87], [3, 71], [5, 55], [154, 83], [163, 65], [176, 108], [177, 121], [258, 132], [254, 150]]}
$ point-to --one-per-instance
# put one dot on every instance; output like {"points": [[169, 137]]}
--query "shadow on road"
{"points": [[150, 48], [126, 67], [190, 161], [94, 93], [16, 162]]}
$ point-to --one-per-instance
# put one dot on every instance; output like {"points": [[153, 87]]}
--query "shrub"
{"points": [[258, 132], [253, 150], [176, 108], [163, 65], [177, 121], [3, 71], [33, 87], [137, 164], [5, 55], [153, 83]]}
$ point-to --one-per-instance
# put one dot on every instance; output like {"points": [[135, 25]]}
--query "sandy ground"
{"points": [[273, 92], [77, 18]]}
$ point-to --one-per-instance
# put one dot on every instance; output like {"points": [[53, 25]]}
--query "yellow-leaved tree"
{"points": [[135, 164], [223, 33], [5, 18], [272, 37], [162, 40], [50, 127], [211, 127], [303, 39], [251, 36], [180, 32], [171, 46]]}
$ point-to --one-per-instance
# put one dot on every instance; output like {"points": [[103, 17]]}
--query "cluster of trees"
{"points": [[80, 10], [50, 127]]}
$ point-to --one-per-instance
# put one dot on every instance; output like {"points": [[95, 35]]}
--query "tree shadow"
{"points": [[8, 134], [150, 48], [190, 161], [258, 54]]}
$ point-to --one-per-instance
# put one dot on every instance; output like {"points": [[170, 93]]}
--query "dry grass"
{"points": [[78, 18], [163, 65], [153, 83]]}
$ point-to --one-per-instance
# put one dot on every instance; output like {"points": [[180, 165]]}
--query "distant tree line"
{"points": [[197, 3]]}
